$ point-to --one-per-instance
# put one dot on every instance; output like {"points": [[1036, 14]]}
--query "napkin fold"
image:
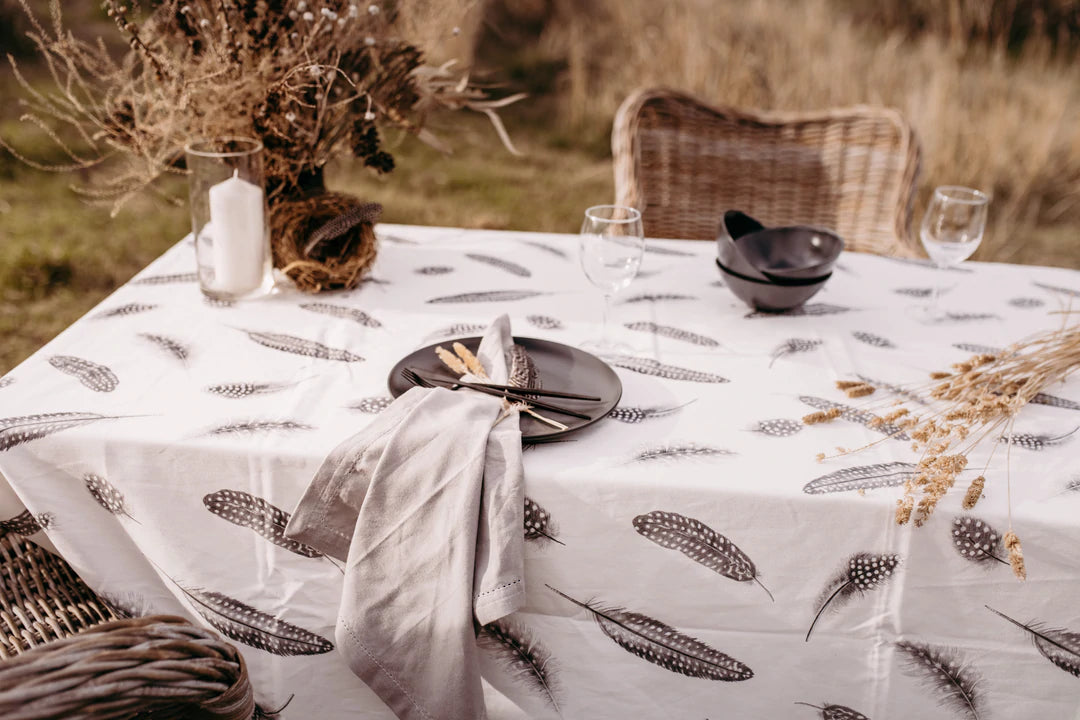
{"points": [[425, 508]]}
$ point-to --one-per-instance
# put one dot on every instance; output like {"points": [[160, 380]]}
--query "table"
{"points": [[191, 425]]}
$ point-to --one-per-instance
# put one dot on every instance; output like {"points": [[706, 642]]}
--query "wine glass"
{"points": [[951, 231], [612, 244]]}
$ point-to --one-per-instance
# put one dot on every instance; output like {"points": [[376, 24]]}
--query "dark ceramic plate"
{"points": [[561, 367]]}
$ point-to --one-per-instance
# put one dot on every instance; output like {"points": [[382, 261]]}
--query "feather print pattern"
{"points": [[372, 405], [648, 366], [873, 340], [106, 495], [928, 264], [217, 302], [680, 452], [538, 523], [1052, 401], [511, 267], [700, 543], [357, 316], [661, 644], [892, 389], [258, 426], [976, 541], [456, 330], [239, 390], [635, 415], [847, 412], [6, 380], [241, 622], [835, 712], [861, 477], [172, 347], [778, 427], [166, 279], [943, 671], [523, 657], [792, 346], [246, 510], [1029, 441], [22, 524], [549, 249], [969, 317], [914, 292], [300, 346], [1073, 485], [24, 428], [94, 376], [488, 296], [434, 270], [1025, 303], [544, 322], [125, 310], [1054, 288], [811, 310], [862, 573], [656, 297], [1060, 647], [976, 349], [673, 333]]}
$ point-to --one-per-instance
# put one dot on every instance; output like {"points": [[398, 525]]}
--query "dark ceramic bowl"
{"points": [[734, 226], [767, 296], [804, 253]]}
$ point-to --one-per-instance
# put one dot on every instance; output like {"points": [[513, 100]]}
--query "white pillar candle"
{"points": [[238, 233]]}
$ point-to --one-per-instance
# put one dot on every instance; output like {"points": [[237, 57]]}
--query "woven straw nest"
{"points": [[325, 241]]}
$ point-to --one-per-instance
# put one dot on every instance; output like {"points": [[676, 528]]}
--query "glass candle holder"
{"points": [[229, 217]]}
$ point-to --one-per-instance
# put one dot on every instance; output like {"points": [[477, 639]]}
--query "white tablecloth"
{"points": [[186, 426]]}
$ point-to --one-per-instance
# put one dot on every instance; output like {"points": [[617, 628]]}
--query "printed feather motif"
{"points": [[1062, 290], [549, 249], [679, 452], [510, 267], [648, 366], [125, 310], [792, 346], [861, 477], [527, 661], [896, 390], [434, 270], [700, 543], [246, 510], [661, 644], [862, 573], [925, 263], [847, 412], [944, 671], [657, 250], [217, 302], [835, 712], [538, 523], [545, 322], [976, 349], [914, 292], [1026, 302], [968, 317], [23, 524], [1028, 441], [656, 297], [240, 622], [372, 405], [238, 390], [1060, 647], [173, 347], [1073, 485], [106, 495], [456, 330], [778, 427], [673, 333], [811, 310], [6, 380], [976, 541], [94, 376], [358, 316], [300, 346], [24, 428], [166, 279], [635, 415], [258, 426], [873, 340], [1052, 401], [489, 296]]}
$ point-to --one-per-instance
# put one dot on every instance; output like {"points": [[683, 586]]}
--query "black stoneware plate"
{"points": [[561, 367]]}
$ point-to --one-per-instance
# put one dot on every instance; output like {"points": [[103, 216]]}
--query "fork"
{"points": [[416, 379]]}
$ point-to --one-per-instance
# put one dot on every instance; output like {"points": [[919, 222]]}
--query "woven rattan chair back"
{"points": [[683, 163]]}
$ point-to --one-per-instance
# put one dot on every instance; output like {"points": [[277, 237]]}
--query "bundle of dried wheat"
{"points": [[312, 80], [976, 401]]}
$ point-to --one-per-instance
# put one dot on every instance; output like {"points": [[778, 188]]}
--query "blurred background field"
{"points": [[991, 86]]}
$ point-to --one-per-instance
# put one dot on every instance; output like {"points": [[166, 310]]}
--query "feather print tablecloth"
{"points": [[686, 557]]}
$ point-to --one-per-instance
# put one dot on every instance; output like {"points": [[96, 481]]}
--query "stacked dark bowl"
{"points": [[774, 269]]}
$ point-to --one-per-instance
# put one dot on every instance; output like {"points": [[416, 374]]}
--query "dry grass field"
{"points": [[991, 86]]}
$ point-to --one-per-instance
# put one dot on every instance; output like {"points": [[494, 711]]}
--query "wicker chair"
{"points": [[683, 163], [65, 654]]}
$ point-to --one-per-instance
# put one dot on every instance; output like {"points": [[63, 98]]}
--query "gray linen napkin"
{"points": [[425, 507]]}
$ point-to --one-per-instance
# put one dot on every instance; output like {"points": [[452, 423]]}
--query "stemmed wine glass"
{"points": [[951, 231], [612, 244]]}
